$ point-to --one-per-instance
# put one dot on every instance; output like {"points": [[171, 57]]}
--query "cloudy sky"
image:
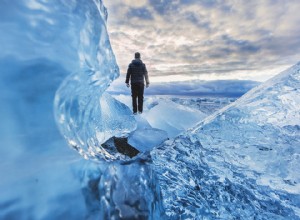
{"points": [[206, 39]]}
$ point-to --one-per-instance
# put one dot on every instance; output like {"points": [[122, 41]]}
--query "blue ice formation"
{"points": [[86, 115], [165, 115], [128, 190], [58, 51], [145, 137], [172, 117], [241, 162], [67, 39]]}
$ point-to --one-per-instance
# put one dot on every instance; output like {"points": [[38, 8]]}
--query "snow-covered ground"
{"points": [[165, 117]]}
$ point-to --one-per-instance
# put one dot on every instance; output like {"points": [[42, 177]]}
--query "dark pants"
{"points": [[137, 93]]}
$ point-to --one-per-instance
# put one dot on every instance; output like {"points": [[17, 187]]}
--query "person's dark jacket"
{"points": [[137, 72]]}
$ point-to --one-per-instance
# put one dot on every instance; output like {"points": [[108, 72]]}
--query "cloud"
{"points": [[134, 3], [142, 13], [207, 37]]}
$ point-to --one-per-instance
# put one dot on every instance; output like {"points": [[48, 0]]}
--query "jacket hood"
{"points": [[137, 62]]}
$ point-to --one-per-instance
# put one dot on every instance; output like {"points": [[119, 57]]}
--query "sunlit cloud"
{"points": [[207, 40]]}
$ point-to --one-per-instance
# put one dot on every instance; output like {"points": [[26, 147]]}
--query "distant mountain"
{"points": [[223, 88]]}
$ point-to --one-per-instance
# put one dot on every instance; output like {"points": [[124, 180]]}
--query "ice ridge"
{"points": [[241, 162]]}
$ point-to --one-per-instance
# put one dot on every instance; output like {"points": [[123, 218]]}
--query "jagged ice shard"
{"points": [[241, 162]]}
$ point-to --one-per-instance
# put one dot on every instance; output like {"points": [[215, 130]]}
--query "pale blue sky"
{"points": [[206, 39]]}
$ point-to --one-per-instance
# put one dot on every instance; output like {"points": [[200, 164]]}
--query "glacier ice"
{"points": [[240, 162], [167, 115], [63, 39], [121, 191], [46, 44], [87, 119], [172, 117], [83, 120], [145, 137], [162, 119]]}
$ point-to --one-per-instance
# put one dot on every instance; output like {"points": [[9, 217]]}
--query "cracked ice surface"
{"points": [[240, 162]]}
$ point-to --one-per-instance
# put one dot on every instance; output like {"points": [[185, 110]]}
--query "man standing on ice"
{"points": [[137, 73]]}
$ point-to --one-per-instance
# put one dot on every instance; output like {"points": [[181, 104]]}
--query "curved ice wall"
{"points": [[86, 116], [46, 41]]}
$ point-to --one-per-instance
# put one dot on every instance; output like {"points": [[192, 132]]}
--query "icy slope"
{"points": [[262, 127], [241, 162]]}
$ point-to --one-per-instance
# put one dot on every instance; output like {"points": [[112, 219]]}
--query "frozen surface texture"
{"points": [[241, 162], [85, 121], [172, 117], [164, 118], [128, 190], [42, 43], [145, 137]]}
